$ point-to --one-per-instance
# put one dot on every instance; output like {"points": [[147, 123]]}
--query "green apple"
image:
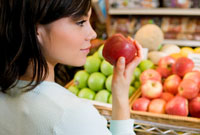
{"points": [[96, 81], [106, 68], [110, 99], [73, 89], [81, 78], [133, 79], [96, 54], [102, 96], [109, 83], [131, 91], [86, 93], [137, 72], [92, 64], [137, 84], [146, 64], [100, 51]]}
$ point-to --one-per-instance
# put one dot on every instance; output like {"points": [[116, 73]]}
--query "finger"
{"points": [[133, 64], [120, 66], [138, 58], [139, 48], [130, 38]]}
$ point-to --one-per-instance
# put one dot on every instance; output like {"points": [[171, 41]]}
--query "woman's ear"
{"points": [[40, 33]]}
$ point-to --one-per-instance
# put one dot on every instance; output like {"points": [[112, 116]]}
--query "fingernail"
{"points": [[122, 60]]}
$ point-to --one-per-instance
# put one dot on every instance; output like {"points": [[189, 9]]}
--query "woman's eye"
{"points": [[80, 23]]}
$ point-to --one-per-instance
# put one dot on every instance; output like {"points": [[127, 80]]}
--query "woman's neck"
{"points": [[29, 73]]}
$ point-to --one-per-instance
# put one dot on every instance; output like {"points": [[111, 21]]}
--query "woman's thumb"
{"points": [[120, 66]]}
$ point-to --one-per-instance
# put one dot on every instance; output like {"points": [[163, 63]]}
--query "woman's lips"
{"points": [[87, 50]]}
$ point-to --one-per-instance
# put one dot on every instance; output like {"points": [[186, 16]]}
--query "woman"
{"points": [[35, 35]]}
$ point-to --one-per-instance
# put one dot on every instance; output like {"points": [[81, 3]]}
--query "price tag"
{"points": [[196, 59], [145, 53]]}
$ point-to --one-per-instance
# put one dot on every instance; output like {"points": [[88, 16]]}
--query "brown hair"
{"points": [[19, 43]]}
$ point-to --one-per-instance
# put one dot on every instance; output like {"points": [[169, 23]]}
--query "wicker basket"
{"points": [[190, 122]]}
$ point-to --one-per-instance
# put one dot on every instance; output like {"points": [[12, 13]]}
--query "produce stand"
{"points": [[147, 123]]}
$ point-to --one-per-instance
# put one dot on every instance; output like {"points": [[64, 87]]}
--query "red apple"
{"points": [[188, 89], [117, 46], [157, 106], [167, 96], [194, 75], [177, 106], [141, 104], [163, 72], [182, 66], [194, 107], [171, 84], [150, 74], [165, 65], [151, 89]]}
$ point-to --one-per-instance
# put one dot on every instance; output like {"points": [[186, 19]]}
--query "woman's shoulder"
{"points": [[58, 94], [52, 106]]}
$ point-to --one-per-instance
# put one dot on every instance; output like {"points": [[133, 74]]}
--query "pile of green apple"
{"points": [[94, 82]]}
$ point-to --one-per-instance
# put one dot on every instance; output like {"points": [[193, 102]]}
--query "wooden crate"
{"points": [[190, 122]]}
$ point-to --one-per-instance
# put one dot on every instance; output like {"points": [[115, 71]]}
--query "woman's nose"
{"points": [[92, 34]]}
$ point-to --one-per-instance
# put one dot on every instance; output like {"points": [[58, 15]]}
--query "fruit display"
{"points": [[168, 86], [171, 87], [94, 82], [172, 50]]}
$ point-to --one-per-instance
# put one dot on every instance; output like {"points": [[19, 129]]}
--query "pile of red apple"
{"points": [[172, 88]]}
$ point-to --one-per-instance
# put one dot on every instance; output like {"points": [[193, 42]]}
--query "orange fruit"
{"points": [[186, 50], [177, 55], [197, 50]]}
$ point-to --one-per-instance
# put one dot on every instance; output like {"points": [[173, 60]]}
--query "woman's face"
{"points": [[66, 41]]}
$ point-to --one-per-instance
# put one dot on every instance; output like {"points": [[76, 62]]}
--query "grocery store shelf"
{"points": [[155, 11], [190, 43], [98, 9]]}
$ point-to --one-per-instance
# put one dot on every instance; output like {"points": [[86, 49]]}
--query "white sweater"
{"points": [[50, 109]]}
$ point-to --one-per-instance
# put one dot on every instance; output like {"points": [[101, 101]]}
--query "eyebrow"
{"points": [[76, 18]]}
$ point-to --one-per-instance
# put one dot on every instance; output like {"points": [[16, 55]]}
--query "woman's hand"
{"points": [[122, 77]]}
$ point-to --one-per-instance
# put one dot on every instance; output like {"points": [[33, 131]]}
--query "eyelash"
{"points": [[80, 23]]}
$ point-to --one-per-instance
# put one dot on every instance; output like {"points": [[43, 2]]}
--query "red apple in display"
{"points": [[194, 107], [141, 104], [150, 74], [163, 72], [188, 89], [151, 89], [171, 84], [167, 96], [117, 46], [165, 65], [157, 106], [182, 66], [194, 75], [177, 106]]}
